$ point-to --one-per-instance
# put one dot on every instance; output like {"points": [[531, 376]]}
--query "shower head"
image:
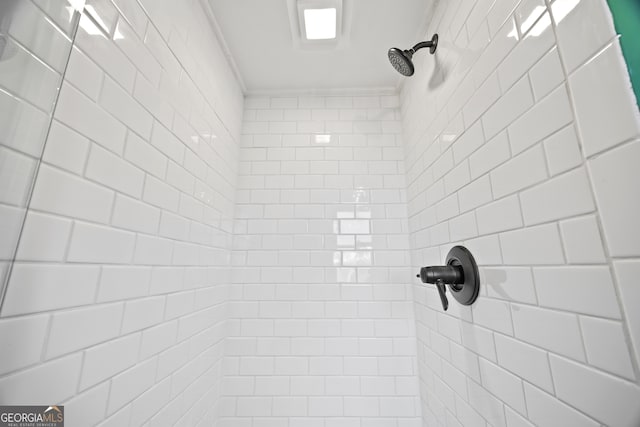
{"points": [[402, 59]]}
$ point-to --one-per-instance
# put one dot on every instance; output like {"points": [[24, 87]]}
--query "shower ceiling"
{"points": [[268, 58]]}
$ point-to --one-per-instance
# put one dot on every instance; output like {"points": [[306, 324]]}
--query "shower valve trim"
{"points": [[460, 274]]}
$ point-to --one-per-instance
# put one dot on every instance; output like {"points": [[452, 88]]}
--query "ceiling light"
{"points": [[320, 24]]}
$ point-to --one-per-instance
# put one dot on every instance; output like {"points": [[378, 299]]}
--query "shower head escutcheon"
{"points": [[401, 59]]}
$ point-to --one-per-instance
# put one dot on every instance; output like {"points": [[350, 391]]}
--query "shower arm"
{"points": [[431, 44], [422, 45]]}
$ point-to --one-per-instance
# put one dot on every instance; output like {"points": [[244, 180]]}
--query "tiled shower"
{"points": [[174, 251]]}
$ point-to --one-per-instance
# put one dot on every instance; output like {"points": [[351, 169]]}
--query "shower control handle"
{"points": [[450, 274], [460, 274], [441, 275]]}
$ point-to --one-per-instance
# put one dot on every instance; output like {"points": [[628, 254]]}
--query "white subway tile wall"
{"points": [[321, 321], [524, 151], [34, 51], [124, 261], [193, 257]]}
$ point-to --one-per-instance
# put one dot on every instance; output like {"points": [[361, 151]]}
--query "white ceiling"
{"points": [[259, 38]]}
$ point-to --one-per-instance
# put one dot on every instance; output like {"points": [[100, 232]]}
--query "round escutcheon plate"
{"points": [[467, 292]]}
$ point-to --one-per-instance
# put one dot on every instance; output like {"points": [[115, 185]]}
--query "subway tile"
{"points": [[42, 287], [494, 315], [81, 328], [489, 155], [254, 406], [44, 238], [467, 415], [150, 402], [147, 95], [520, 172], [499, 13], [158, 338], [158, 193], [104, 361], [563, 151], [134, 14], [32, 29], [81, 114], [133, 215], [307, 385], [142, 154], [524, 360], [61, 193], [527, 52], [626, 272], [238, 386], [121, 283], [504, 385], [116, 246], [569, 18], [361, 406], [23, 127], [284, 102], [511, 105], [546, 410], [17, 174], [167, 143], [533, 245], [84, 74], [586, 290], [479, 340], [475, 194], [596, 88], [486, 95], [58, 380], [326, 406], [584, 388], [504, 214], [43, 82], [134, 49], [66, 148], [486, 404], [103, 13], [291, 407], [130, 384], [613, 175], [582, 241], [142, 313], [457, 178], [105, 53], [528, 12], [122, 106], [555, 331], [567, 195], [546, 74], [112, 171], [88, 408], [509, 283], [502, 42], [486, 250], [24, 338], [606, 346], [547, 116]]}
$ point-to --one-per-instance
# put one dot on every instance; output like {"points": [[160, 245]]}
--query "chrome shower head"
{"points": [[402, 59]]}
